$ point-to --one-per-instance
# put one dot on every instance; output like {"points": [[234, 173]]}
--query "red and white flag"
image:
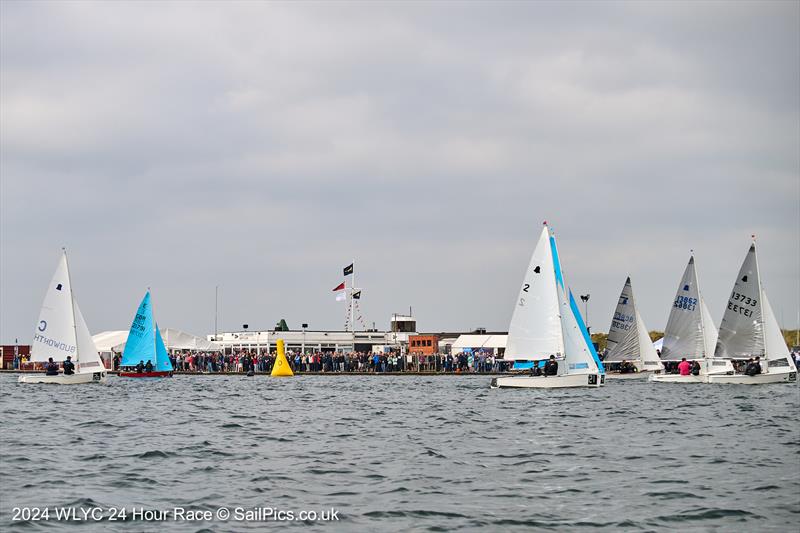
{"points": [[342, 295]]}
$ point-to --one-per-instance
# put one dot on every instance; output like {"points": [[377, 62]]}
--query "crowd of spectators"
{"points": [[342, 362]]}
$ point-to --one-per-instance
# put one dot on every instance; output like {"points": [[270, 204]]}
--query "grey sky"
{"points": [[262, 146]]}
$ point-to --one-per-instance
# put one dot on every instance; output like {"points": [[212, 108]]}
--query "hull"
{"points": [[759, 379], [550, 382], [61, 379], [677, 378], [633, 375], [145, 374]]}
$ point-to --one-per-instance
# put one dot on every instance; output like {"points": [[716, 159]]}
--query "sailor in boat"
{"points": [[140, 367], [753, 367], [684, 368], [51, 368], [536, 369], [551, 367], [148, 367], [626, 367], [69, 366], [695, 368]]}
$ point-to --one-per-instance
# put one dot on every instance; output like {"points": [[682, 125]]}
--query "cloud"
{"points": [[262, 146]]}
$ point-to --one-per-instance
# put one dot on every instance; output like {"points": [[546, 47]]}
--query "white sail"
{"points": [[777, 353], [741, 333], [648, 357], [88, 359], [685, 334], [577, 358], [535, 329], [623, 335], [709, 329], [55, 331]]}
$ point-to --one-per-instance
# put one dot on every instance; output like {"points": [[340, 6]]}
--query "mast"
{"points": [[352, 307], [153, 333], [72, 308], [765, 359], [706, 356]]}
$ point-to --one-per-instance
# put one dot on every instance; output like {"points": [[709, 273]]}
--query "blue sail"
{"points": [[141, 341], [163, 364], [579, 319]]}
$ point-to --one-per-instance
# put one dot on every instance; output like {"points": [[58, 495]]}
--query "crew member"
{"points": [[69, 366], [695, 368], [551, 367], [626, 367], [140, 367], [684, 368], [753, 367], [148, 367], [536, 370], [51, 368]]}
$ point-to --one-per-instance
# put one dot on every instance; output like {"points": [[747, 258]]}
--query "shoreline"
{"points": [[267, 374]]}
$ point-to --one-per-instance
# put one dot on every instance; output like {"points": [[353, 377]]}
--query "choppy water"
{"points": [[406, 452]]}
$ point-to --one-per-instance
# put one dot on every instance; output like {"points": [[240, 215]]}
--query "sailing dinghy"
{"points": [[628, 339], [61, 332], [145, 344], [749, 329], [690, 333], [546, 321]]}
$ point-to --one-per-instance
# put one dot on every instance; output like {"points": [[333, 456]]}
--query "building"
{"points": [[10, 352], [423, 344]]}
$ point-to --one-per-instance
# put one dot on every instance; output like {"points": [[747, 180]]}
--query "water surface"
{"points": [[395, 453]]}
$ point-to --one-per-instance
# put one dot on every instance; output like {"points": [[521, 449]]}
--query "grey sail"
{"points": [[741, 333], [684, 335], [623, 335]]}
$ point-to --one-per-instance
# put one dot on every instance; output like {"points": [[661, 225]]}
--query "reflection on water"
{"points": [[393, 453]]}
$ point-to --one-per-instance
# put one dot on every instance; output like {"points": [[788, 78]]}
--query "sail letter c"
{"points": [[42, 325]]}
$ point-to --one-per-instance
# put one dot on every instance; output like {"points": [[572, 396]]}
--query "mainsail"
{"points": [[55, 331], [628, 337], [690, 331], [141, 343], [741, 333], [535, 329]]}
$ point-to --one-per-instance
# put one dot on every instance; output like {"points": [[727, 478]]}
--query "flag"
{"points": [[357, 295], [348, 269], [339, 287], [342, 296]]}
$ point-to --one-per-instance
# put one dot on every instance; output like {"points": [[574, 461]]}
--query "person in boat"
{"points": [[551, 366], [51, 368], [149, 366], [536, 370], [684, 368], [69, 366], [140, 367], [753, 367], [626, 367], [695, 368]]}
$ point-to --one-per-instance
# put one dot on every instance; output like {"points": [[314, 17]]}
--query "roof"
{"points": [[481, 341], [174, 339]]}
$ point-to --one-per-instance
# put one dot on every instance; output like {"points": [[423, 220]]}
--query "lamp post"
{"points": [[585, 300], [303, 348]]}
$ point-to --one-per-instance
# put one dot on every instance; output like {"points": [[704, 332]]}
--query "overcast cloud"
{"points": [[263, 146]]}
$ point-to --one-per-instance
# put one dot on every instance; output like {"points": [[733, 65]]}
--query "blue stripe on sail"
{"points": [[139, 346], [556, 262], [163, 364], [579, 319]]}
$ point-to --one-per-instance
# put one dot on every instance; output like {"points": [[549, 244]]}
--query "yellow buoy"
{"points": [[281, 367]]}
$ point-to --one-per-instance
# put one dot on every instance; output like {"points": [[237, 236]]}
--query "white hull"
{"points": [[61, 379], [633, 375], [677, 378], [549, 382], [787, 376]]}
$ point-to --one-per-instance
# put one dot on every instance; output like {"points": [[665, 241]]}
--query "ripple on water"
{"points": [[408, 453]]}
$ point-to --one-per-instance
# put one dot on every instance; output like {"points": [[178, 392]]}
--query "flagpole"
{"points": [[352, 307]]}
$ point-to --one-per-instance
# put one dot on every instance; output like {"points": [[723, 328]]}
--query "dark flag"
{"points": [[339, 287], [348, 269], [357, 295]]}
